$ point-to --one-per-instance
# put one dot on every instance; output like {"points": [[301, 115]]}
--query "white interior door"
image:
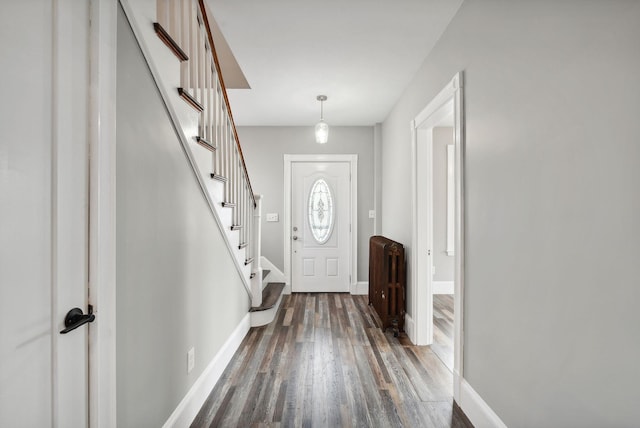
{"points": [[43, 214], [320, 226]]}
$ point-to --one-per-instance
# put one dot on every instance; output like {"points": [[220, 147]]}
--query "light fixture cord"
{"points": [[321, 110]]}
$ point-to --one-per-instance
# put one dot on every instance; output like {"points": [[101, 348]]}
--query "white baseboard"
{"points": [[360, 288], [476, 409], [442, 287], [410, 327], [192, 402]]}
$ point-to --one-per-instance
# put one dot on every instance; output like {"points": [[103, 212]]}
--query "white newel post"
{"points": [[256, 241]]}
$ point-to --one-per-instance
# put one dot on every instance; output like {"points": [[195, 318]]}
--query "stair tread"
{"points": [[270, 296], [265, 272]]}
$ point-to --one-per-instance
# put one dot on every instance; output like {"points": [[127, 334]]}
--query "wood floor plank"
{"points": [[376, 367], [358, 335], [251, 402], [377, 414], [265, 403], [291, 393], [322, 311], [220, 414], [443, 328], [355, 398], [427, 382], [326, 407], [405, 393], [307, 307], [375, 336], [437, 374], [324, 362], [288, 316], [282, 393]]}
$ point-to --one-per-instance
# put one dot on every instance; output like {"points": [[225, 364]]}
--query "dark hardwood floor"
{"points": [[443, 328], [325, 363]]}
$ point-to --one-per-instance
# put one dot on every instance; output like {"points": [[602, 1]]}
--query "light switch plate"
{"points": [[271, 217], [372, 213]]}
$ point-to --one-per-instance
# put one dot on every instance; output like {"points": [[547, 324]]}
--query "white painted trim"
{"points": [[422, 233], [460, 241], [450, 98], [360, 288], [442, 287], [102, 213], [275, 274], [353, 169], [443, 97], [286, 230], [476, 409], [192, 402], [256, 243], [410, 327], [451, 198], [377, 178]]}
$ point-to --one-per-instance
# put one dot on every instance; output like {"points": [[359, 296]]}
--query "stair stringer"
{"points": [[165, 69]]}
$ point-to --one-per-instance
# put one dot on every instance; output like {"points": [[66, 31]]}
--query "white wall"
{"points": [[177, 285], [264, 148], [553, 238]]}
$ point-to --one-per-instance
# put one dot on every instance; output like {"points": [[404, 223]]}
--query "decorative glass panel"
{"points": [[320, 211]]}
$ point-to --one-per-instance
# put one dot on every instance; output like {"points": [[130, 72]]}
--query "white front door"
{"points": [[43, 214], [320, 226]]}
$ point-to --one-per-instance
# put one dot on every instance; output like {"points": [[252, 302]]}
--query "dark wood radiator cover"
{"points": [[387, 281]]}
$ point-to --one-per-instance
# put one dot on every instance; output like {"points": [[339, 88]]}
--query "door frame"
{"points": [[289, 159], [102, 212], [451, 96]]}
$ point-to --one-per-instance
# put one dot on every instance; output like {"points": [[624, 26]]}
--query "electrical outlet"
{"points": [[272, 217], [191, 359], [372, 213]]}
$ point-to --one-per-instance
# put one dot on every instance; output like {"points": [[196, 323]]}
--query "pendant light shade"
{"points": [[322, 128], [322, 132]]}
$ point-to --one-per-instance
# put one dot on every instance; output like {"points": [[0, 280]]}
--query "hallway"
{"points": [[325, 363]]}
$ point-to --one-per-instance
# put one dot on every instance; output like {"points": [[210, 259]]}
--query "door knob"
{"points": [[295, 238], [75, 318]]}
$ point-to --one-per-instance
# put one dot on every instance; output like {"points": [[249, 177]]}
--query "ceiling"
{"points": [[360, 53]]}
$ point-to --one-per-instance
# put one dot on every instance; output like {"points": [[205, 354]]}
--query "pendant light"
{"points": [[322, 129]]}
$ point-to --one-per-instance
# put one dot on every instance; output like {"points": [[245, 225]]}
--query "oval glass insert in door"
{"points": [[320, 211]]}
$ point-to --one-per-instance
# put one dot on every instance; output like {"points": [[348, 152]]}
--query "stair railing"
{"points": [[184, 27]]}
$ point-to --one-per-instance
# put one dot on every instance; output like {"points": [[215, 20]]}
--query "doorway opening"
{"points": [[320, 223], [438, 237]]}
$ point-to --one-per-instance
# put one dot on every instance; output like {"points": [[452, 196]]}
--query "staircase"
{"points": [[175, 38]]}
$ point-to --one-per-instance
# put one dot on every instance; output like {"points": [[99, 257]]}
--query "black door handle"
{"points": [[75, 318]]}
